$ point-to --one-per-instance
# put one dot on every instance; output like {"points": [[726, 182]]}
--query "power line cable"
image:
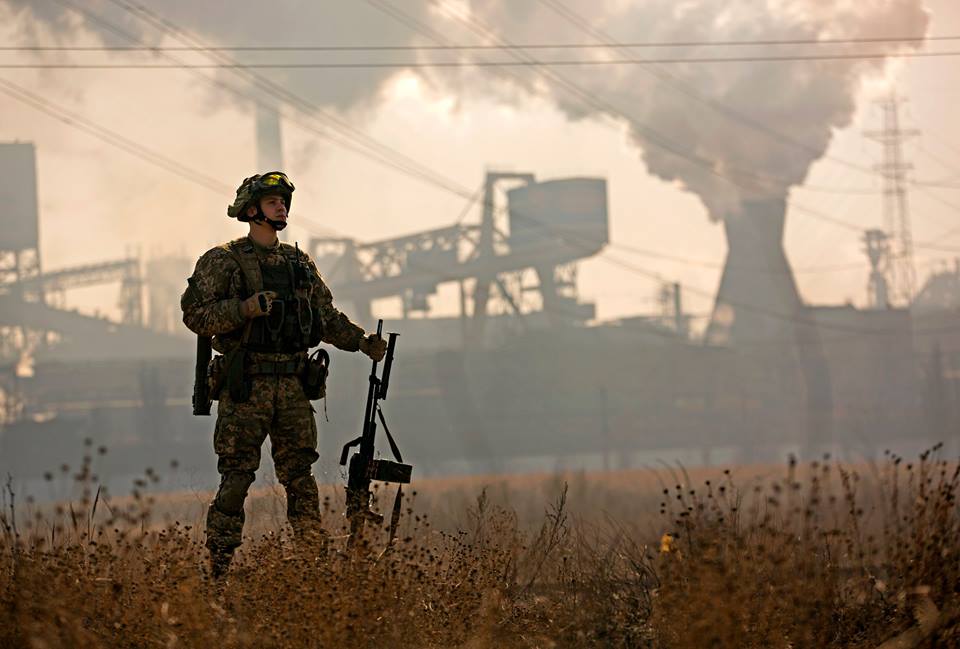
{"points": [[372, 65], [557, 5], [470, 47], [398, 159], [355, 143], [418, 26], [586, 97], [703, 263], [651, 135], [169, 27], [175, 167], [693, 290], [130, 146], [443, 183], [678, 84], [949, 166], [790, 318]]}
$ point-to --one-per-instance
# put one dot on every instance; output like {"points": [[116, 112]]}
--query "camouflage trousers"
{"points": [[277, 408]]}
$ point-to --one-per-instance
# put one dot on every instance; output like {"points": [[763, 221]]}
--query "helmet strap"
{"points": [[260, 217]]}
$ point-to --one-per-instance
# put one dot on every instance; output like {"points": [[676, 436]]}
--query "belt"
{"points": [[275, 368]]}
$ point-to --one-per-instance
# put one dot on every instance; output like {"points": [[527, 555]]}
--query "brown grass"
{"points": [[819, 555]]}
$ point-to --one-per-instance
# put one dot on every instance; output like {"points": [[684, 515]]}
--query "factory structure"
{"points": [[523, 376]]}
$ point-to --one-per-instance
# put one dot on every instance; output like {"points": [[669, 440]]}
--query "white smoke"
{"points": [[699, 109], [239, 23], [687, 119]]}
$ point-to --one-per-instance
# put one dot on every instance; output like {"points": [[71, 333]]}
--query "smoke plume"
{"points": [[241, 23], [728, 132]]}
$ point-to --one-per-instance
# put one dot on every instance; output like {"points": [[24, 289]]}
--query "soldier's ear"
{"points": [[251, 211]]}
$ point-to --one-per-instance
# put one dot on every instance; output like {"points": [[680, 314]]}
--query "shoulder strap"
{"points": [[245, 256], [242, 253]]}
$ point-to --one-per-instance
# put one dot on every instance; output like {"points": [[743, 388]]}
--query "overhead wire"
{"points": [[489, 33], [150, 156], [651, 135], [201, 47], [470, 47], [144, 153], [344, 135], [390, 10], [570, 15], [372, 65], [659, 278], [678, 84], [587, 98], [170, 28], [132, 147], [420, 171]]}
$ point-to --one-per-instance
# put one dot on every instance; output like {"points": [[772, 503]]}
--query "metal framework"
{"points": [[493, 276], [50, 287], [896, 211]]}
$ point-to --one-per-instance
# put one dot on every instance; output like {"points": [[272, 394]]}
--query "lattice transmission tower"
{"points": [[893, 172]]}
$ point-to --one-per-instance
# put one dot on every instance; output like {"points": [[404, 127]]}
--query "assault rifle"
{"points": [[364, 467], [201, 389]]}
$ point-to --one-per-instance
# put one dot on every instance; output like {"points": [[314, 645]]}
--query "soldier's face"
{"points": [[274, 208]]}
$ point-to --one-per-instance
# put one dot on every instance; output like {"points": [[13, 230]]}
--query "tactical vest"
{"points": [[292, 325]]}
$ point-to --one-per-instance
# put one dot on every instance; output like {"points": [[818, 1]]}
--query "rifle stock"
{"points": [[201, 389]]}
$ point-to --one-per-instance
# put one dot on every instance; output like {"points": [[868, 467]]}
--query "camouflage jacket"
{"points": [[211, 302]]}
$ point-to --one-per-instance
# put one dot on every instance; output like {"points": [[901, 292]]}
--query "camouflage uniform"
{"points": [[277, 406]]}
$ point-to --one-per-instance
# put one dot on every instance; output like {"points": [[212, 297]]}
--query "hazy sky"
{"points": [[98, 202]]}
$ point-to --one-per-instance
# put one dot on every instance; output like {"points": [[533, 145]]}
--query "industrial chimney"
{"points": [[269, 148]]}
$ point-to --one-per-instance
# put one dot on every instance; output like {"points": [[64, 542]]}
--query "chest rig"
{"points": [[292, 325]]}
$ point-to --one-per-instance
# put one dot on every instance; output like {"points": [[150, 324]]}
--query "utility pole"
{"points": [[896, 212]]}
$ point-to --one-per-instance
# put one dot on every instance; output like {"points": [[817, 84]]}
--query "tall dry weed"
{"points": [[820, 556]]}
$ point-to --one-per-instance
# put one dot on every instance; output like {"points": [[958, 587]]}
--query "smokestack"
{"points": [[269, 148]]}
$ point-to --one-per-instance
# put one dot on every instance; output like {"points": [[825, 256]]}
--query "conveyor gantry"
{"points": [[548, 226]]}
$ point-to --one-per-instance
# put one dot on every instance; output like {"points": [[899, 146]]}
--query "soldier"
{"points": [[265, 305]]}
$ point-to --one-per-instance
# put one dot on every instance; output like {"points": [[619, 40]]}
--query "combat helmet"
{"points": [[253, 188]]}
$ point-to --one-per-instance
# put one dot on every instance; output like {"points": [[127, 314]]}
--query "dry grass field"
{"points": [[816, 555]]}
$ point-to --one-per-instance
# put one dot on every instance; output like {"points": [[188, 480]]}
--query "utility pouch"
{"points": [[314, 377], [237, 381], [235, 377]]}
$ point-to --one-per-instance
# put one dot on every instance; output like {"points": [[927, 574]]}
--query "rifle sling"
{"points": [[393, 444]]}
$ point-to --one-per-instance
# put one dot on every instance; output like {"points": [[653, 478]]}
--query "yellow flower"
{"points": [[666, 541]]}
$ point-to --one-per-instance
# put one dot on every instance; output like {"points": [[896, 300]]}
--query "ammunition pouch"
{"points": [[238, 382], [314, 375]]}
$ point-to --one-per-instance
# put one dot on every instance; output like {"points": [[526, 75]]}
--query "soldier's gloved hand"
{"points": [[374, 346], [258, 304]]}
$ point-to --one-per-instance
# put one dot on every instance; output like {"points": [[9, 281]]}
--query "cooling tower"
{"points": [[758, 309]]}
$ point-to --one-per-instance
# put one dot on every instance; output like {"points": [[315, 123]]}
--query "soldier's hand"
{"points": [[374, 346], [258, 304]]}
